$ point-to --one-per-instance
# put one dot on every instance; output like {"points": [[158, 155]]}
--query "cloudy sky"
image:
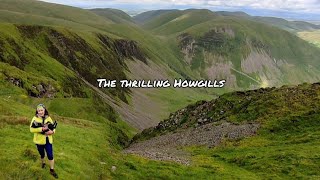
{"points": [[295, 9]]}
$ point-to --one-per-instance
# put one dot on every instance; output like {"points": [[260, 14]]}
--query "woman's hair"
{"points": [[46, 113]]}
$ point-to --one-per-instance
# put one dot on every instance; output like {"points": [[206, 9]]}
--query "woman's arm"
{"points": [[51, 121], [36, 129], [50, 132]]}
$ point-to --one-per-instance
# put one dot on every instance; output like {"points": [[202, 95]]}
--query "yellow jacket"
{"points": [[39, 138]]}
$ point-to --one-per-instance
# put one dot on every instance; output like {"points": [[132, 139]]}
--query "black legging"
{"points": [[47, 147]]}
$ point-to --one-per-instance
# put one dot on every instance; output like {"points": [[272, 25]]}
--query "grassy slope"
{"points": [[19, 155], [177, 21], [292, 26], [286, 145], [77, 19], [45, 56], [20, 159], [80, 133], [88, 118], [279, 44], [117, 16], [289, 150], [288, 142], [41, 13], [154, 47], [282, 44], [144, 17], [170, 104], [313, 36], [54, 11]]}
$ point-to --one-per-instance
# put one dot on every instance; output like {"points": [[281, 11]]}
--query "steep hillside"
{"points": [[61, 55], [32, 12], [177, 21], [247, 54], [53, 63], [274, 66], [270, 133], [62, 63], [117, 16], [100, 46]]}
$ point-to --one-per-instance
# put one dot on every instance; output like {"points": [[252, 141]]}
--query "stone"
{"points": [[113, 168]]}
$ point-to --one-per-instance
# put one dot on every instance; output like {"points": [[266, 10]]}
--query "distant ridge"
{"points": [[115, 15], [292, 26], [149, 15]]}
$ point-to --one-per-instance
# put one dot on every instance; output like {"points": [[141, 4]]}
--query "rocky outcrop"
{"points": [[187, 46], [15, 81], [129, 49], [40, 90], [47, 91], [202, 113]]}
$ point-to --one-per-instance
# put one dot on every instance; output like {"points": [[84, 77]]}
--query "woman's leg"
{"points": [[51, 163], [51, 160], [49, 151], [42, 154], [41, 151]]}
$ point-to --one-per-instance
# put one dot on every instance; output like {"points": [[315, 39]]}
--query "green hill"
{"points": [[144, 17], [246, 53], [285, 145], [176, 21], [78, 20], [236, 13], [115, 15], [60, 55], [43, 11], [291, 26], [174, 54]]}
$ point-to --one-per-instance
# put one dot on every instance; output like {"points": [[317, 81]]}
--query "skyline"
{"points": [[308, 10]]}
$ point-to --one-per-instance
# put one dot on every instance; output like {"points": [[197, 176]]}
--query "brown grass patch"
{"points": [[15, 120]]}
